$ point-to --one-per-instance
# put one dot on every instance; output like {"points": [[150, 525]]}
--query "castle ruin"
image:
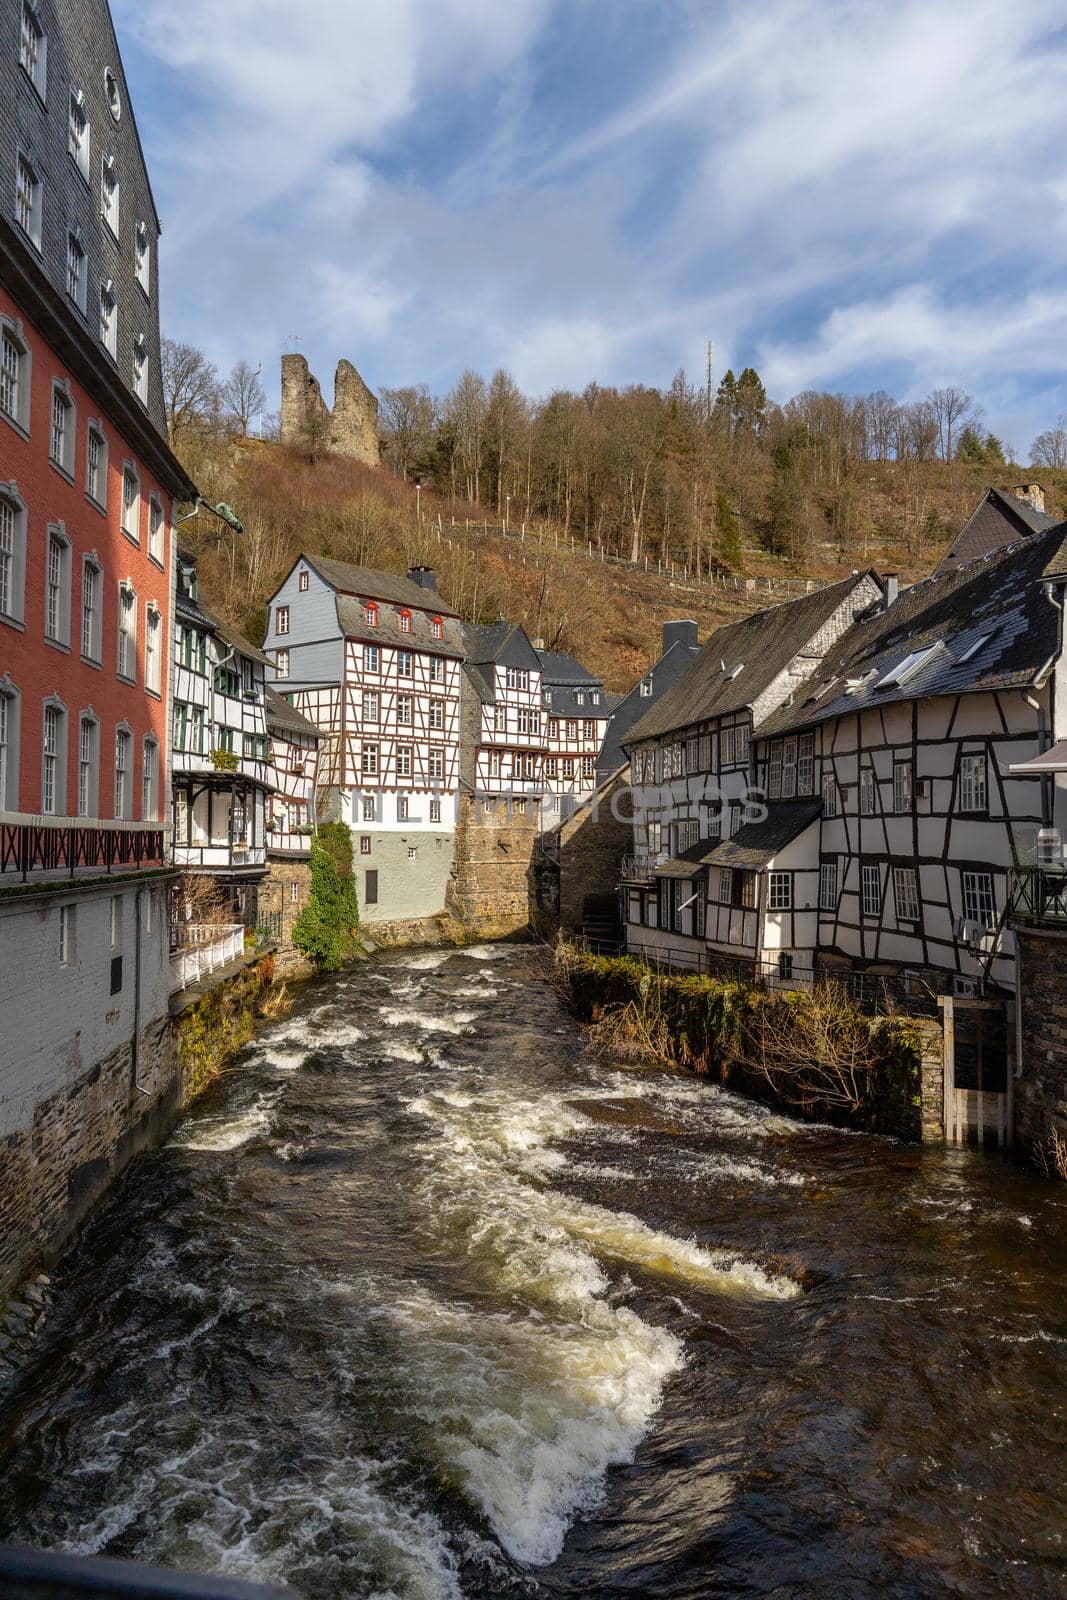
{"points": [[307, 423]]}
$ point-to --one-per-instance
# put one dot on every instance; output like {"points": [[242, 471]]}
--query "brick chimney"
{"points": [[1032, 493], [684, 633], [425, 577]]}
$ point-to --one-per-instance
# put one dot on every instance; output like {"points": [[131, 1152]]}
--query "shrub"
{"points": [[327, 928]]}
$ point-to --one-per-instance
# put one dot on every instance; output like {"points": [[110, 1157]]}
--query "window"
{"points": [[224, 736], [123, 743], [973, 789], [67, 916], [517, 678], [155, 528], [370, 809], [76, 275], [829, 795], [281, 663], [437, 670], [571, 731], [294, 894], [435, 810], [281, 619], [181, 817], [729, 747], [828, 886], [780, 891], [403, 709], [253, 747], [61, 439], [131, 504], [370, 759], [14, 378], [579, 697], [370, 887], [979, 904], [115, 927], [774, 769], [143, 258], [789, 768], [402, 808], [33, 48], [364, 844], [403, 761], [370, 705], [551, 767], [902, 786], [910, 665], [53, 766], [109, 192], [140, 369], [587, 766], [57, 589], [403, 663], [111, 92], [436, 761], [872, 891], [494, 763], [194, 650], [371, 657], [646, 688], [529, 720], [437, 715], [568, 766], [12, 555], [588, 728], [28, 201], [906, 894], [304, 580], [153, 655], [127, 634], [227, 681], [109, 319], [372, 614], [806, 764], [96, 465], [436, 628], [500, 719], [868, 804], [9, 745], [78, 133], [87, 767], [91, 610], [150, 781], [785, 967], [405, 621]]}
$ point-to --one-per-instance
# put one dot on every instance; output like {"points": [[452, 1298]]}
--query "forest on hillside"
{"points": [[691, 474]]}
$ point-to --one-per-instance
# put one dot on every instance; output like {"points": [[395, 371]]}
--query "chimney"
{"points": [[425, 577], [1031, 492], [683, 633], [891, 585], [538, 644]]}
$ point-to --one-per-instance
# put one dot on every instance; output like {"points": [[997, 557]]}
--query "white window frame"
{"points": [[142, 258], [435, 810], [131, 504], [906, 894], [774, 768], [827, 885], [68, 916], [979, 898], [437, 669], [126, 637], [369, 760], [33, 48], [123, 776], [405, 759], [63, 428], [436, 761], [54, 759], [79, 134], [282, 621], [789, 767], [871, 882], [281, 663], [903, 786], [806, 764], [12, 556], [372, 658], [92, 610], [95, 435], [150, 778], [88, 765], [77, 270], [110, 198], [139, 369], [974, 781], [153, 648], [371, 705], [57, 586], [109, 318], [10, 726], [868, 793], [830, 794], [157, 526], [29, 199], [405, 664], [405, 710], [16, 363], [779, 891]]}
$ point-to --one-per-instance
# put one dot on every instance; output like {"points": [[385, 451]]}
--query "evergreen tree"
{"points": [[326, 929]]}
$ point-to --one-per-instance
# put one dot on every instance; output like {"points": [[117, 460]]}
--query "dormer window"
{"points": [[372, 614], [109, 193], [405, 622], [78, 133], [437, 628]]}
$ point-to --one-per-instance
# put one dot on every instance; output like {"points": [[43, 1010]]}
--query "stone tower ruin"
{"points": [[350, 429]]}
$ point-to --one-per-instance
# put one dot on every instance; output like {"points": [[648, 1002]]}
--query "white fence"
{"points": [[206, 946]]}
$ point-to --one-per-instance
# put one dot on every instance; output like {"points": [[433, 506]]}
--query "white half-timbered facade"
{"points": [[374, 661], [576, 719], [293, 753], [504, 722], [219, 775]]}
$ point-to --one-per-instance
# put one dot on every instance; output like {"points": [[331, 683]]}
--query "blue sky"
{"points": [[846, 195]]}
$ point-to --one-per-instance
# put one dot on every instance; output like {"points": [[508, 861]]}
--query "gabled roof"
{"points": [[280, 714], [988, 625], [628, 708], [368, 583], [352, 620], [488, 643], [194, 611], [761, 645], [756, 843], [998, 520], [564, 669]]}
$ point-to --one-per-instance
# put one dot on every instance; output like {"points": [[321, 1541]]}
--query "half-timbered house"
{"points": [[293, 753], [374, 661], [691, 761], [220, 778], [577, 711], [679, 647], [504, 722]]}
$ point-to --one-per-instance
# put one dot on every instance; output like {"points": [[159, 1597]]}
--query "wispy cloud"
{"points": [[847, 193]]}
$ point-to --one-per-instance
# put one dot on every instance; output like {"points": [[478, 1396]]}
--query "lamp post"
{"points": [[507, 512], [418, 501]]}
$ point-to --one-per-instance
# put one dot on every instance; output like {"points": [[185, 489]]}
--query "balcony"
{"points": [[52, 848], [1037, 897], [204, 948], [642, 868], [220, 855]]}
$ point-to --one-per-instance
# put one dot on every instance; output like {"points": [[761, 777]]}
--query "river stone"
{"points": [[627, 1112]]}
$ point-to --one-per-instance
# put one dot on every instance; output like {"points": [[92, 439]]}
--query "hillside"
{"points": [[574, 595]]}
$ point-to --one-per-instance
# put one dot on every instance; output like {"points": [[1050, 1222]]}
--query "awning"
{"points": [[756, 843], [1054, 760]]}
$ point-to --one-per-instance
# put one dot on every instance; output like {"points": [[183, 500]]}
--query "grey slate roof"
{"points": [[557, 668], [352, 620], [998, 520], [763, 644], [488, 643], [629, 708], [756, 843], [687, 862], [286, 718], [374, 585], [995, 606]]}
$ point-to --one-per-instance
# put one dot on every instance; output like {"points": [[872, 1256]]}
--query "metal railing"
{"points": [[1038, 896], [53, 1575], [641, 868], [269, 927], [204, 948], [69, 844]]}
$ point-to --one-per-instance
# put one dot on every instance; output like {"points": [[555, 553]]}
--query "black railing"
{"points": [[50, 1575], [268, 929], [67, 845], [1038, 896]]}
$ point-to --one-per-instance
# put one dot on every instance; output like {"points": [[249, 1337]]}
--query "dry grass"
{"points": [[1051, 1156]]}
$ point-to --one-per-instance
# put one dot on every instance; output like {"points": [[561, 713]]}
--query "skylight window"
{"points": [[910, 665], [733, 672], [979, 644]]}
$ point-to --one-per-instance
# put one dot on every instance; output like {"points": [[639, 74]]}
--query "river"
{"points": [[422, 1302]]}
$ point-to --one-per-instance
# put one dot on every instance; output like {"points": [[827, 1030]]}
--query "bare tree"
{"points": [[190, 389], [954, 409], [465, 409], [243, 396], [1049, 449], [407, 419]]}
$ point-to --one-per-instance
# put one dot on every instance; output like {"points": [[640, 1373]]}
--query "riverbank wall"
{"points": [[807, 1052], [75, 1140]]}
